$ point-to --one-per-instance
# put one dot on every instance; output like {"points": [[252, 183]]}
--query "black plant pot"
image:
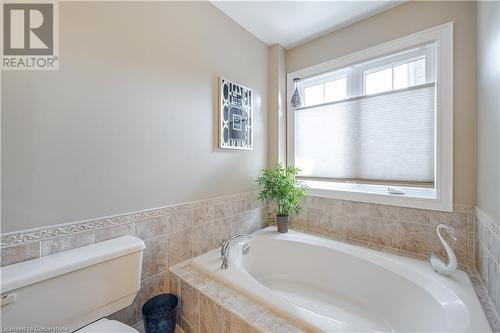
{"points": [[282, 221]]}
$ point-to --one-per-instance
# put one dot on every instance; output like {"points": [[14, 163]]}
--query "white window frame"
{"points": [[439, 198]]}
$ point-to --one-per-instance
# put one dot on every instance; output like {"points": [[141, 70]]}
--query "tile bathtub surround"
{"points": [[488, 259], [172, 235], [203, 298], [208, 306], [407, 231]]}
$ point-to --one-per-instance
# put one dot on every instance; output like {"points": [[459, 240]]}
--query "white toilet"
{"points": [[75, 289]]}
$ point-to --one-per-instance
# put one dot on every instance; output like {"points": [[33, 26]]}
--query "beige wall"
{"points": [[405, 19], [488, 107], [127, 123], [276, 105]]}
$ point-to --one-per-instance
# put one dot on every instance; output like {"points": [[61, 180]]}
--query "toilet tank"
{"points": [[73, 288]]}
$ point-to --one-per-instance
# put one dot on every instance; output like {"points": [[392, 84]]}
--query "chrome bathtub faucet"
{"points": [[437, 264], [226, 245]]}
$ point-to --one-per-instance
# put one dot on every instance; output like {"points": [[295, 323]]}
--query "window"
{"points": [[378, 119], [346, 140], [330, 90], [409, 74]]}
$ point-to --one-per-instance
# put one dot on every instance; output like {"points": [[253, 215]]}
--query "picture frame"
{"points": [[235, 115]]}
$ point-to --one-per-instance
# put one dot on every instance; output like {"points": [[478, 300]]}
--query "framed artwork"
{"points": [[235, 116]]}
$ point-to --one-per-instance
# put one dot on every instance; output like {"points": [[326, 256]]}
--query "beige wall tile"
{"points": [[471, 249], [155, 257], [315, 218], [384, 232], [471, 223], [204, 214], [150, 228], [246, 308], [413, 215], [189, 327], [483, 264], [60, 244], [179, 221], [248, 222], [334, 224], [14, 254], [497, 279], [209, 236], [493, 245], [477, 259], [210, 315], [180, 247], [172, 285], [456, 220], [414, 238], [358, 209], [190, 304], [270, 322], [358, 228], [115, 231], [232, 208], [389, 213], [234, 324], [410, 230]]}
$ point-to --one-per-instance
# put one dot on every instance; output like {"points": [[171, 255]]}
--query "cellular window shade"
{"points": [[389, 136]]}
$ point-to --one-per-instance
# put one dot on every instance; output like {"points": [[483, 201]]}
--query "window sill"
{"points": [[423, 198]]}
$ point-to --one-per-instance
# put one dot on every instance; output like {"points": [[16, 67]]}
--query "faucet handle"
{"points": [[222, 243]]}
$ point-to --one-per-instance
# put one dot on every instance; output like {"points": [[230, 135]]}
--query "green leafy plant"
{"points": [[280, 185]]}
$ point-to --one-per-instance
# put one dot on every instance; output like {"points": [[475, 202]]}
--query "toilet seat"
{"points": [[107, 326]]}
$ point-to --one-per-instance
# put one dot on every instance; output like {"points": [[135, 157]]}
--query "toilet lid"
{"points": [[107, 326]]}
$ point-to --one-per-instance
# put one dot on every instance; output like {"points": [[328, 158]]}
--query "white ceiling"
{"points": [[291, 23]]}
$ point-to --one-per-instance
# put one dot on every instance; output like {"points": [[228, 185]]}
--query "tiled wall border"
{"points": [[488, 221], [25, 236], [38, 234], [488, 264]]}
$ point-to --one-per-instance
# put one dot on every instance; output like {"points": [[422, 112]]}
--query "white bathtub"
{"points": [[331, 286]]}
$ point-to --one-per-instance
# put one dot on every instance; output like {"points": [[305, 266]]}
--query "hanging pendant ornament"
{"points": [[296, 100]]}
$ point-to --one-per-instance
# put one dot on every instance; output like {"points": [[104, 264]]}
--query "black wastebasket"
{"points": [[159, 314]]}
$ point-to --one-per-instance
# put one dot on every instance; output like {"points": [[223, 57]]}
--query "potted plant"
{"points": [[280, 185]]}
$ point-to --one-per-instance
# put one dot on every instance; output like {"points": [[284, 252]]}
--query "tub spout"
{"points": [[225, 249], [437, 264]]}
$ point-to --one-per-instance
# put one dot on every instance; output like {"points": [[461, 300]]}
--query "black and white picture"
{"points": [[235, 113]]}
